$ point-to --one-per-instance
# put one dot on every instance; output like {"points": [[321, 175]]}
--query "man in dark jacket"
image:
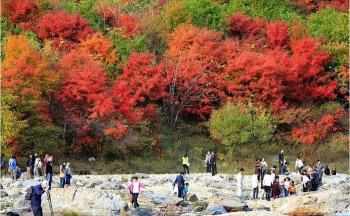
{"points": [[48, 171], [213, 164], [29, 165], [35, 201], [281, 161], [180, 181]]}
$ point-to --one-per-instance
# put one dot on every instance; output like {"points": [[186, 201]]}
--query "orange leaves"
{"points": [[100, 48], [25, 70]]}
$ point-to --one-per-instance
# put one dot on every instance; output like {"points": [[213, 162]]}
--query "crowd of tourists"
{"points": [[266, 182]]}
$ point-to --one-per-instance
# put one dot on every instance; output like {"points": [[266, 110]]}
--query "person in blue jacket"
{"points": [[180, 181], [35, 201]]}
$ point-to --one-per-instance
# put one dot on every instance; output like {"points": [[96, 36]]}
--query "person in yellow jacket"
{"points": [[186, 164]]}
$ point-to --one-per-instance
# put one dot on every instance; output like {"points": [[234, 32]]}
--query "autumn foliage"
{"points": [[172, 61], [63, 29], [22, 12]]}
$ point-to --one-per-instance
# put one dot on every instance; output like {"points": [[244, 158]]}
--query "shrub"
{"points": [[237, 124], [269, 9], [330, 24]]}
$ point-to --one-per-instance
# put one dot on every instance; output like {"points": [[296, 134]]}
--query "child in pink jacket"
{"points": [[135, 188]]}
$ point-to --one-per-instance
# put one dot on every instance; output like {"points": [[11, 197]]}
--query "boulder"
{"points": [[142, 211], [192, 197], [85, 201], [231, 204], [214, 210], [3, 194]]}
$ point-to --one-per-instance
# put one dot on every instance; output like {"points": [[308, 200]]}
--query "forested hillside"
{"points": [[152, 79]]}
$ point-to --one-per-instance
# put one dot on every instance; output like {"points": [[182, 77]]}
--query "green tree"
{"points": [[11, 125], [268, 9], [331, 24], [204, 13], [237, 124]]}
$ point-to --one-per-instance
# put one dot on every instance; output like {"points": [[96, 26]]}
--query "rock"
{"points": [[262, 207], [142, 175], [198, 208], [79, 183], [3, 194], [231, 204], [85, 201], [142, 211], [12, 214], [214, 210], [29, 183], [192, 198], [91, 159], [1, 186], [17, 195]]}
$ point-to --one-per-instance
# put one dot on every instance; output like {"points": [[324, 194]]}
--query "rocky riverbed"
{"points": [[209, 195]]}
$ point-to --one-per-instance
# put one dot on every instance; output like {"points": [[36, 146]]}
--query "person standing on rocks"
{"points": [[48, 170], [29, 166], [255, 186], [239, 180], [35, 200], [281, 161], [135, 188], [46, 158], [263, 170], [276, 188], [37, 166], [68, 174], [306, 181], [257, 167], [186, 164], [299, 164], [320, 170], [13, 167], [207, 161], [267, 183], [62, 174], [180, 182], [213, 164]]}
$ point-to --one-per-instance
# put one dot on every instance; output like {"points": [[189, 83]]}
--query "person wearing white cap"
{"points": [[35, 201]]}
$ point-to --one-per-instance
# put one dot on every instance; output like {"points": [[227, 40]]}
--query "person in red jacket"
{"points": [[276, 188], [135, 188]]}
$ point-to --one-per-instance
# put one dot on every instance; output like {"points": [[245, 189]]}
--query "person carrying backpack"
{"points": [[180, 182], [13, 167], [34, 194]]}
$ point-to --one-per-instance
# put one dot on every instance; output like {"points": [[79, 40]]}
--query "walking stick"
{"points": [[50, 203]]}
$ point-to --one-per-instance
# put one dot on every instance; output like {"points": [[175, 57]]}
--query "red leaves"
{"points": [[64, 29], [312, 5], [21, 12], [315, 132], [114, 17], [242, 25], [277, 33]]}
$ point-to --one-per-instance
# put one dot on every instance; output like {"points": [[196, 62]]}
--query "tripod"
{"points": [[50, 203]]}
